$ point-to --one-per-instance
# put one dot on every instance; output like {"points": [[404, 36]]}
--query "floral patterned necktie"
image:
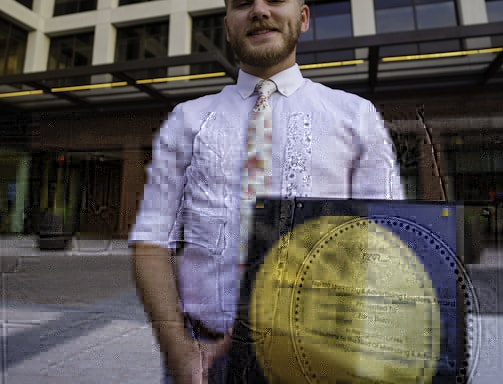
{"points": [[257, 170]]}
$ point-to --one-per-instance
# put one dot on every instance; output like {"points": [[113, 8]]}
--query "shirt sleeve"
{"points": [[156, 221], [376, 173]]}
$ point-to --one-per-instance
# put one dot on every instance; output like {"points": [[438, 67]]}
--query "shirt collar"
{"points": [[287, 81]]}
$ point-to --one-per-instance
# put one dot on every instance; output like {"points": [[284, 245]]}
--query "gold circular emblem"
{"points": [[343, 299]]}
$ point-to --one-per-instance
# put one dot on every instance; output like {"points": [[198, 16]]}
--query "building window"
{"points": [[475, 170], [143, 42], [71, 51], [410, 15], [494, 14], [494, 10], [126, 2], [208, 34], [12, 48], [26, 3], [329, 20], [64, 7]]}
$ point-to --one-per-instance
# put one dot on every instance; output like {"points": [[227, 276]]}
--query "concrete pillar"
{"points": [[44, 186], [363, 18], [59, 202], [133, 176], [37, 47], [473, 12], [107, 4], [22, 184], [105, 35], [44, 8], [180, 39], [37, 52], [104, 43]]}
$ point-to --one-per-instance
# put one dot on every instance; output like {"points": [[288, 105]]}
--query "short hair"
{"points": [[301, 2]]}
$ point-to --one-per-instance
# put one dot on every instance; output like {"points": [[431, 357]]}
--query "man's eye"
{"points": [[244, 3]]}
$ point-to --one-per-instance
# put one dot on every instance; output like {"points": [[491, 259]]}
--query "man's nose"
{"points": [[260, 9]]}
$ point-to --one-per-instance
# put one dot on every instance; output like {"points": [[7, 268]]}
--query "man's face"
{"points": [[264, 33]]}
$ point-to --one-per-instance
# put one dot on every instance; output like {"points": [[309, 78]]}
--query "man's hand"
{"points": [[187, 359], [194, 366]]}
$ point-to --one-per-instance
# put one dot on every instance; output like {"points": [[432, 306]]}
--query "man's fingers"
{"points": [[224, 345], [212, 351]]}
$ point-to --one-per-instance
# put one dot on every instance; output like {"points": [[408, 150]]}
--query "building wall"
{"points": [[465, 128], [104, 20], [108, 16], [130, 134], [467, 131], [125, 137]]}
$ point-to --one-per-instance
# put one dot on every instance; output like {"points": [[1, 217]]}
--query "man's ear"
{"points": [[304, 18], [226, 29]]}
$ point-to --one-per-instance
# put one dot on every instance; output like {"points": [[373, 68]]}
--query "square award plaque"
{"points": [[355, 291]]}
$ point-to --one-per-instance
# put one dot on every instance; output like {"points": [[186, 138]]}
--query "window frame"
{"points": [[73, 80], [27, 3], [490, 15], [13, 34], [322, 57], [216, 18], [143, 36], [129, 2], [119, 58], [63, 7], [413, 5], [418, 48]]}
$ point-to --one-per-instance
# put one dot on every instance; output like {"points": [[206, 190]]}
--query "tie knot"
{"points": [[265, 88]]}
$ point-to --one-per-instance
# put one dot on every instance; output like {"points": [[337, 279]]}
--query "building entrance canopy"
{"points": [[164, 81]]}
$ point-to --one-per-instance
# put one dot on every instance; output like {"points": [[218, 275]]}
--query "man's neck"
{"points": [[266, 72]]}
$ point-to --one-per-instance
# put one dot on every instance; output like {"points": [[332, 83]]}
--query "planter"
{"points": [[53, 232]]}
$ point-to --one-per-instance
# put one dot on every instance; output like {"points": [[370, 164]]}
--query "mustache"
{"points": [[260, 27]]}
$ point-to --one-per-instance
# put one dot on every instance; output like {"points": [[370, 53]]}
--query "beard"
{"points": [[266, 57]]}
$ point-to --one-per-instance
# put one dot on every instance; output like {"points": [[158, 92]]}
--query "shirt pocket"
{"points": [[205, 175], [203, 231]]}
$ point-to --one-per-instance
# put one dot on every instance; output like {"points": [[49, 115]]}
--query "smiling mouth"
{"points": [[260, 31]]}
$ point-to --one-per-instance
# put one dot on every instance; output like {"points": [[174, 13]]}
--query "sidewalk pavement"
{"points": [[74, 316], [74, 319]]}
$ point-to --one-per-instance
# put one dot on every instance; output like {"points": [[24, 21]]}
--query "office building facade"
{"points": [[85, 84]]}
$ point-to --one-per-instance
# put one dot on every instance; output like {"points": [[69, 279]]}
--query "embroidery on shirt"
{"points": [[297, 165], [208, 118]]}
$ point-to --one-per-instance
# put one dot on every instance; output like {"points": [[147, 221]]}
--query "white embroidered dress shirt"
{"points": [[326, 143]]}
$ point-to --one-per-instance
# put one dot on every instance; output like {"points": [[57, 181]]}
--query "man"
{"points": [[325, 143]]}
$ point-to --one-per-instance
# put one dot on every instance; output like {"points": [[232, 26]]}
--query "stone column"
{"points": [[133, 176], [363, 18], [37, 47], [107, 4], [473, 12], [37, 52], [22, 184], [180, 39], [104, 38]]}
